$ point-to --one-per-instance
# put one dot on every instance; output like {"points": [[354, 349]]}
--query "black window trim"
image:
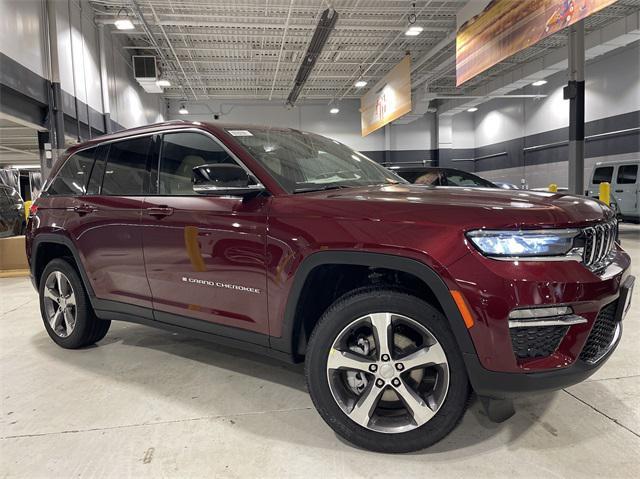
{"points": [[153, 185]]}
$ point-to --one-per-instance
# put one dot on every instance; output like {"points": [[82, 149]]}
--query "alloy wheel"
{"points": [[388, 373], [60, 304]]}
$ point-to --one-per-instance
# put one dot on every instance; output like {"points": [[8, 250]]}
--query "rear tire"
{"points": [[66, 312], [418, 401]]}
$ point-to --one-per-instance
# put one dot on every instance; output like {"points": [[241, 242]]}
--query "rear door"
{"points": [[105, 222], [625, 189], [205, 255]]}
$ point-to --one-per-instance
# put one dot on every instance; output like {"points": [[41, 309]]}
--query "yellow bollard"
{"points": [[27, 207], [553, 188], [605, 193]]}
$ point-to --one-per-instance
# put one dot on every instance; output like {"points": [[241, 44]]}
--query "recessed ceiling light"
{"points": [[360, 84], [124, 24], [163, 83], [183, 110], [539, 83], [413, 31], [334, 110], [472, 109]]}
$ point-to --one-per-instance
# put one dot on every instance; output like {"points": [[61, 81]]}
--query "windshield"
{"points": [[303, 162]]}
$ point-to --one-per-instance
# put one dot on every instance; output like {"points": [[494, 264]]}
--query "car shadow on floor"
{"points": [[121, 347]]}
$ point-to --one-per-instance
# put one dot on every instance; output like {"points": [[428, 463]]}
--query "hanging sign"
{"points": [[389, 99], [506, 27]]}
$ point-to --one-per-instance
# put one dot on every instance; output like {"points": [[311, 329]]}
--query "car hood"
{"points": [[485, 207]]}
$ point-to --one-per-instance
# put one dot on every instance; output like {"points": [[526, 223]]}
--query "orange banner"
{"points": [[507, 26], [389, 99]]}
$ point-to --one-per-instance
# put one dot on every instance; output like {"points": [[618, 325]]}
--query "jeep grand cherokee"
{"points": [[400, 299]]}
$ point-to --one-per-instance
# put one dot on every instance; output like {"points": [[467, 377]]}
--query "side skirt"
{"points": [[215, 333]]}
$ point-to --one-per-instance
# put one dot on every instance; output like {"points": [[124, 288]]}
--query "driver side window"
{"points": [[181, 153]]}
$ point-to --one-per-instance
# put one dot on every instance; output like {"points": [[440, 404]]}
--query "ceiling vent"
{"points": [[146, 72]]}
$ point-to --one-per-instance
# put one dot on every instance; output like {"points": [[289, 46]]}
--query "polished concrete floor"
{"points": [[148, 403]]}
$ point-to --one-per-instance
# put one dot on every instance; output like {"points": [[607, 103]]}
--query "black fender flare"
{"points": [[287, 343], [65, 241]]}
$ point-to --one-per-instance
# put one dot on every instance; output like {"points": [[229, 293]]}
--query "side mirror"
{"points": [[223, 180]]}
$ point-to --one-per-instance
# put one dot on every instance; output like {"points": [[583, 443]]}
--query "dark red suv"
{"points": [[401, 299]]}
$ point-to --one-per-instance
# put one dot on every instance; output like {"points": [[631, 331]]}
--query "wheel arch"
{"points": [[292, 340], [62, 244]]}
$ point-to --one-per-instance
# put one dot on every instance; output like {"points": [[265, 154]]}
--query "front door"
{"points": [[204, 255]]}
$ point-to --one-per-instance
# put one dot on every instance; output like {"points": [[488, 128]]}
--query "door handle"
{"points": [[618, 191], [84, 209], [159, 211]]}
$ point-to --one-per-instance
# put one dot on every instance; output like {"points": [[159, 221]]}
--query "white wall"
{"points": [[612, 87], [21, 33], [21, 38], [129, 104]]}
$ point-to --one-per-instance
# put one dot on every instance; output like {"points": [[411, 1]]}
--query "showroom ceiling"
{"points": [[252, 49], [18, 144]]}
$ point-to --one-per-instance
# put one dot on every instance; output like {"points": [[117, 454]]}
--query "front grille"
{"points": [[602, 334], [536, 341], [598, 244]]}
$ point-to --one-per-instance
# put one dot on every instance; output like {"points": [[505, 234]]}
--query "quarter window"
{"points": [[126, 173], [73, 176], [181, 153], [602, 174], [627, 174]]}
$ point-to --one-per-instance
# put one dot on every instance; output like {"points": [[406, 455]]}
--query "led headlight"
{"points": [[524, 243]]}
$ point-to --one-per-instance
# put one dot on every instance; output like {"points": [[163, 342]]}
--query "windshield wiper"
{"points": [[319, 188]]}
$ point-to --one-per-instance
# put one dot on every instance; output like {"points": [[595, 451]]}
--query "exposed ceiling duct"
{"points": [[320, 36]]}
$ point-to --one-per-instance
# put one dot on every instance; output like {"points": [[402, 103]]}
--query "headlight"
{"points": [[524, 243]]}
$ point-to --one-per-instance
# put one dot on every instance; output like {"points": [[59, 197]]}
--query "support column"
{"points": [[387, 144], [104, 80], [574, 92], [56, 114]]}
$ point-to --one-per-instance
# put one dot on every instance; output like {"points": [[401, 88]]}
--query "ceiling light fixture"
{"points": [[472, 109], [163, 83], [539, 83], [183, 110], [360, 84], [122, 21], [413, 30], [335, 110], [124, 24]]}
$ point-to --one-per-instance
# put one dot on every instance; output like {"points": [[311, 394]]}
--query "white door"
{"points": [[625, 189]]}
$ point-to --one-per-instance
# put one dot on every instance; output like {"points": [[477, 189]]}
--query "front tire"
{"points": [[65, 308], [385, 373]]}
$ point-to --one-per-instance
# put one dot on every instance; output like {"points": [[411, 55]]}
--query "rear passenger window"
{"points": [[73, 176], [181, 153], [95, 180], [602, 174], [627, 174], [126, 173]]}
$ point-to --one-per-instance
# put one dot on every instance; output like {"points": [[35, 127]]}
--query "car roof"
{"points": [[216, 127], [633, 161]]}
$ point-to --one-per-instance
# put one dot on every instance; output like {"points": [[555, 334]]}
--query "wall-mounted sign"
{"points": [[506, 26], [389, 99]]}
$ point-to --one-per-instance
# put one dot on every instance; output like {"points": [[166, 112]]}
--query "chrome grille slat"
{"points": [[599, 241]]}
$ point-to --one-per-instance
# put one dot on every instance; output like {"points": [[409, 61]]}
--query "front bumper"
{"points": [[500, 385]]}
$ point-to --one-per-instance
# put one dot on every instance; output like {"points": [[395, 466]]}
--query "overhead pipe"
{"points": [[325, 26]]}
